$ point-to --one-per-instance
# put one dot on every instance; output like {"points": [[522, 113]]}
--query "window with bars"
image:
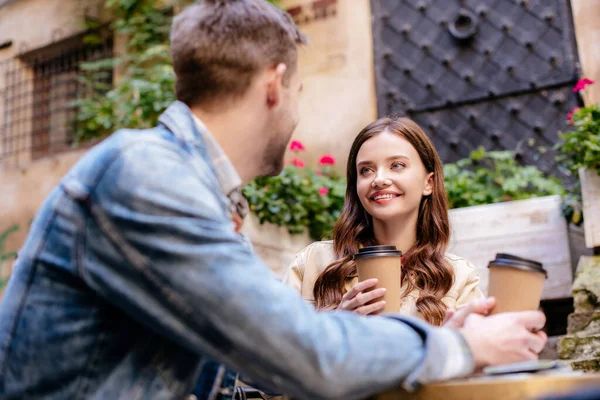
{"points": [[37, 90]]}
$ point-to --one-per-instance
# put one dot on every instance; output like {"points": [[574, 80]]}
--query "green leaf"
{"points": [[492, 177]]}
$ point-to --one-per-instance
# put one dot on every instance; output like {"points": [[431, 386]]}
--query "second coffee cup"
{"points": [[516, 283], [383, 263]]}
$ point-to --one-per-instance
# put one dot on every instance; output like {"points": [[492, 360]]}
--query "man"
{"points": [[133, 275]]}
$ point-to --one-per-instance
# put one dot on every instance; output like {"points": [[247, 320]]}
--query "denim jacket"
{"points": [[132, 278]]}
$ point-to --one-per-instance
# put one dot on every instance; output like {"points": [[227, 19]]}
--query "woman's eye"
{"points": [[364, 171], [397, 166]]}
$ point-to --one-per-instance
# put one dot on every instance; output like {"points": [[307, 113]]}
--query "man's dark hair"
{"points": [[219, 45]]}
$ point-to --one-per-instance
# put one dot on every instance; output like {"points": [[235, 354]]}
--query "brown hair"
{"points": [[425, 266], [218, 46]]}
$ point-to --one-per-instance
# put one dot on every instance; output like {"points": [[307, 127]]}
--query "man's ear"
{"points": [[428, 185], [275, 84]]}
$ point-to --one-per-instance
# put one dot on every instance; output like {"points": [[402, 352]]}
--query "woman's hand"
{"points": [[356, 299], [456, 319]]}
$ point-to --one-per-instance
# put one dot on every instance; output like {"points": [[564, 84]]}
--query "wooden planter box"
{"points": [[274, 244], [533, 228], [590, 193]]}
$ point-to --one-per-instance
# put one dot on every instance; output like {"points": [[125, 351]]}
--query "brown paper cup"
{"points": [[383, 263], [516, 283]]}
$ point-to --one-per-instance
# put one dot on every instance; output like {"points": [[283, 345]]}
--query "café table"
{"points": [[503, 387]]}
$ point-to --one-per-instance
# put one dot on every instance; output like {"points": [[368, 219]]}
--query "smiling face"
{"points": [[394, 174], [391, 178]]}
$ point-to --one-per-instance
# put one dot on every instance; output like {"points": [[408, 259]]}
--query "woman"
{"points": [[395, 195]]}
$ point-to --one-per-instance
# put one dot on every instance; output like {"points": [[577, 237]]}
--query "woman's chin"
{"points": [[385, 214]]}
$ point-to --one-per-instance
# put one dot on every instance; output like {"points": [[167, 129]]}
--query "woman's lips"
{"points": [[383, 197]]}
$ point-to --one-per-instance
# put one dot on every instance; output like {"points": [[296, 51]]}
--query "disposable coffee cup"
{"points": [[516, 283], [383, 263]]}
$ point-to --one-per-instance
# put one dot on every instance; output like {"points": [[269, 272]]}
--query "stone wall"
{"points": [[581, 346]]}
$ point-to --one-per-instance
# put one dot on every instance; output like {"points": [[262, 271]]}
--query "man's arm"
{"points": [[172, 261]]}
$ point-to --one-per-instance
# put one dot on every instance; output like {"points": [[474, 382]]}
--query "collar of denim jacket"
{"points": [[179, 120], [182, 123], [227, 175]]}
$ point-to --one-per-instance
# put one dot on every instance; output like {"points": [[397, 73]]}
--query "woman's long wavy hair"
{"points": [[425, 266]]}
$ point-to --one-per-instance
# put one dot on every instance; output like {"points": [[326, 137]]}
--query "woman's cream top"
{"points": [[310, 262]]}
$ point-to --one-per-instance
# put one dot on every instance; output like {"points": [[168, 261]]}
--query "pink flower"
{"points": [[323, 191], [327, 159], [582, 83], [298, 163], [570, 114], [296, 145], [319, 172]]}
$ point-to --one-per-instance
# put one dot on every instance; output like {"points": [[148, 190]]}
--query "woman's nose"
{"points": [[381, 181]]}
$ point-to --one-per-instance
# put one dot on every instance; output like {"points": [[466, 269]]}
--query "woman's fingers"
{"points": [[359, 287], [358, 297], [364, 298], [365, 285], [371, 308]]}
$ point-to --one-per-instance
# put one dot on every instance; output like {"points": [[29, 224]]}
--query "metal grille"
{"points": [[477, 72], [526, 123], [37, 90]]}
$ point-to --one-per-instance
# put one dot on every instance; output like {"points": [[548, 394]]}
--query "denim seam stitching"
{"points": [[80, 252], [137, 260], [105, 225]]}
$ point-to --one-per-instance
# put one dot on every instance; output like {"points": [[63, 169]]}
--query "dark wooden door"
{"points": [[496, 73]]}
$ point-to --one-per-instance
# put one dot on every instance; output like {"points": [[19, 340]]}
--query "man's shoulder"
{"points": [[153, 146], [130, 161], [130, 142]]}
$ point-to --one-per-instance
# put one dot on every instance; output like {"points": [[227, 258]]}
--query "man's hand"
{"points": [[456, 319], [505, 338]]}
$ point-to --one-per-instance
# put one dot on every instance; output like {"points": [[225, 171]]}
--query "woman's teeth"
{"points": [[384, 197]]}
